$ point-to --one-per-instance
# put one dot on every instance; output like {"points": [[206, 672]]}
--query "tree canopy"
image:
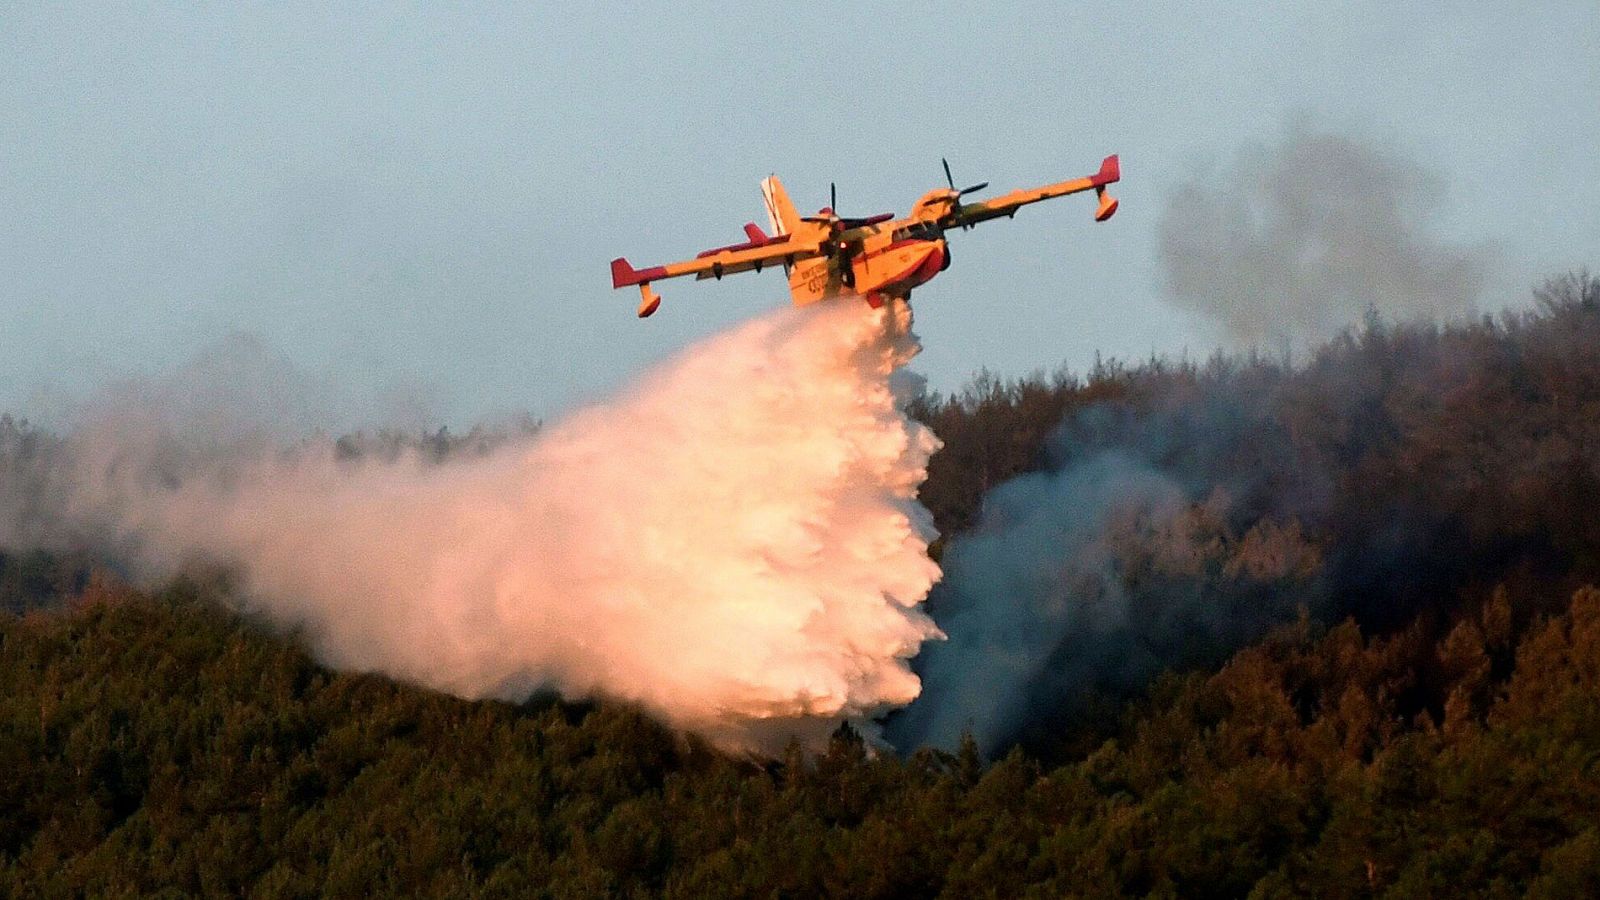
{"points": [[1419, 716]]}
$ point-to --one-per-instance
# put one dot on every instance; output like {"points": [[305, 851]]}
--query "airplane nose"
{"points": [[931, 264]]}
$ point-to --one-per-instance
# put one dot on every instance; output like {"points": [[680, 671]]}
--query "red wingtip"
{"points": [[1110, 170], [623, 274]]}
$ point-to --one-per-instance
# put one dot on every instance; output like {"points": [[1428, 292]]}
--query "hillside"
{"points": [[155, 741], [1361, 658], [1099, 530]]}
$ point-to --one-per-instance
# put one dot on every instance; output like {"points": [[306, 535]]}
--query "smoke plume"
{"points": [[1155, 538], [733, 541], [1035, 583], [1174, 525], [1179, 511], [1291, 244]]}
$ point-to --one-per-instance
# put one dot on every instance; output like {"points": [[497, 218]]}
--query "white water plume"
{"points": [[733, 541]]}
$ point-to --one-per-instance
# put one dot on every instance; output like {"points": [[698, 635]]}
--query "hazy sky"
{"points": [[411, 200]]}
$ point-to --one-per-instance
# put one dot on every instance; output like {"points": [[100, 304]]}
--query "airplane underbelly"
{"points": [[898, 267], [892, 270]]}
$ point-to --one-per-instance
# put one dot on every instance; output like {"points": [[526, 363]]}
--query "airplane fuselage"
{"points": [[885, 266]]}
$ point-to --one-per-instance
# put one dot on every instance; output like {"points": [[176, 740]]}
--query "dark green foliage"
{"points": [[151, 743], [35, 578]]}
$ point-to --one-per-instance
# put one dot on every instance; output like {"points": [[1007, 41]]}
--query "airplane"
{"points": [[877, 258]]}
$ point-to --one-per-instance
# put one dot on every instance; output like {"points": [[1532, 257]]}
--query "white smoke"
{"points": [[733, 541]]}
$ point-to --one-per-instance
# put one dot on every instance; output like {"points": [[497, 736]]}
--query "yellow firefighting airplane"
{"points": [[877, 258]]}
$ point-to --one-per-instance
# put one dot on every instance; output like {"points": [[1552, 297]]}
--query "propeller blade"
{"points": [[833, 197], [955, 208]]}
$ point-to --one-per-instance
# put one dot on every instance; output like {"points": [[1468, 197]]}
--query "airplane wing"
{"points": [[752, 256], [969, 214]]}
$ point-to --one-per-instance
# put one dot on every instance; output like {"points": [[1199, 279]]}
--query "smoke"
{"points": [[1036, 578], [1156, 538], [1172, 526], [1292, 243], [733, 541]]}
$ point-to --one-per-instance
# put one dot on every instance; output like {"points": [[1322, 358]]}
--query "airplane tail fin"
{"points": [[780, 211]]}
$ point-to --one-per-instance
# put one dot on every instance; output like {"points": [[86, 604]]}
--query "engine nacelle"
{"points": [[934, 205]]}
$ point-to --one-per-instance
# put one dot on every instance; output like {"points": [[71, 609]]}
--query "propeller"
{"points": [[843, 222], [833, 208], [950, 180]]}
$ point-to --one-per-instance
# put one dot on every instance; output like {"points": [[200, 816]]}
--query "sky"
{"points": [[418, 203]]}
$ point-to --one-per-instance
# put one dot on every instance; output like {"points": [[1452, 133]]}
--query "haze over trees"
{"points": [[1171, 512], [1362, 603]]}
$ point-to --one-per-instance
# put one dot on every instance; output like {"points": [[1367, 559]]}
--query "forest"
{"points": [[1363, 659]]}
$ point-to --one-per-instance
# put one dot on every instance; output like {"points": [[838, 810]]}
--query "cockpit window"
{"points": [[920, 231]]}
